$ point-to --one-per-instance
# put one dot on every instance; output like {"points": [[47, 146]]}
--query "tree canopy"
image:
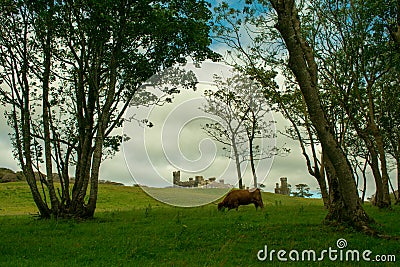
{"points": [[69, 71], [338, 60]]}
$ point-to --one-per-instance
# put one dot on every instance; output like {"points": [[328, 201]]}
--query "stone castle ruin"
{"points": [[198, 181], [284, 188]]}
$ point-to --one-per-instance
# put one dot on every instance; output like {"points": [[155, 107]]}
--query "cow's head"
{"points": [[256, 195]]}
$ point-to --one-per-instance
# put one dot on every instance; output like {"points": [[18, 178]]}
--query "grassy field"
{"points": [[132, 229]]}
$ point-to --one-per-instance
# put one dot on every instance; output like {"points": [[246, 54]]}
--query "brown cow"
{"points": [[235, 198]]}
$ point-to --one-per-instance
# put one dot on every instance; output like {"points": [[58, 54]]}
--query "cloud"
{"points": [[176, 141]]}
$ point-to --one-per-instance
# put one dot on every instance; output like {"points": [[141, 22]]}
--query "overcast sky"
{"points": [[176, 142]]}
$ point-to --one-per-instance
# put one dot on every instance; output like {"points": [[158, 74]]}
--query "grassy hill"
{"points": [[132, 229]]}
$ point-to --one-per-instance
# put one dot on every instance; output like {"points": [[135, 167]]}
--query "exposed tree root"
{"points": [[360, 226]]}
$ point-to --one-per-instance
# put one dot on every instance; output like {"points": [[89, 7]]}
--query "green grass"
{"points": [[132, 229]]}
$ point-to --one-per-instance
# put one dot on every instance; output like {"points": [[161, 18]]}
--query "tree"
{"points": [[70, 70], [288, 46], [240, 106], [364, 47], [390, 122], [356, 47], [388, 14], [257, 127], [303, 190], [293, 107], [225, 104], [347, 207], [259, 59]]}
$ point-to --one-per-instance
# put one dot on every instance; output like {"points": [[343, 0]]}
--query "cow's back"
{"points": [[239, 197]]}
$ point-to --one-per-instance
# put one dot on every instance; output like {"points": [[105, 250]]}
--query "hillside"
{"points": [[15, 199], [132, 229], [7, 175]]}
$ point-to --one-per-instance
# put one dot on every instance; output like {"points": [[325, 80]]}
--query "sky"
{"points": [[177, 142]]}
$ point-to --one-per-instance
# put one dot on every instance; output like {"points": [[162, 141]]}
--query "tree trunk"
{"points": [[395, 34], [86, 102], [374, 164], [94, 178], [103, 120], [336, 201], [252, 165], [347, 207], [364, 175], [398, 180], [237, 162], [378, 199], [27, 168], [318, 173], [385, 201], [46, 43], [322, 182], [26, 134], [251, 136]]}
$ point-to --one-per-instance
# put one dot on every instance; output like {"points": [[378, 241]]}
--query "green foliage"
{"points": [[122, 234], [70, 69], [244, 120], [303, 190], [355, 48]]}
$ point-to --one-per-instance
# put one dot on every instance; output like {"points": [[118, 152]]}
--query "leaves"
{"points": [[84, 62], [303, 190]]}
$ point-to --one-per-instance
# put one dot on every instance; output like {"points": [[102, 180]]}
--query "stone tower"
{"points": [[277, 189], [284, 186], [283, 189], [176, 177]]}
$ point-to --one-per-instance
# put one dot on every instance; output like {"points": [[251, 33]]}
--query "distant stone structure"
{"points": [[176, 177], [199, 181], [284, 188]]}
